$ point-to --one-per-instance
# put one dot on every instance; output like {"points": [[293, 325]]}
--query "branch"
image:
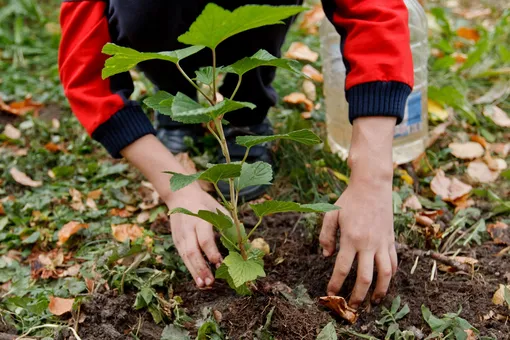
{"points": [[436, 256], [194, 85]]}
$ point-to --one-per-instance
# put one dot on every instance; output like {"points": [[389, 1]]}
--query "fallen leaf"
{"points": [[21, 108], [470, 334], [480, 140], [306, 115], [499, 296], [2, 211], [312, 18], [299, 98], [71, 271], [123, 232], [52, 147], [300, 51], [76, 200], [497, 91], [11, 132], [309, 90], [460, 58], [23, 179], [95, 194], [313, 73], [59, 306], [436, 112], [404, 175], [412, 202], [423, 220], [91, 204], [51, 174], [190, 168], [21, 152], [437, 132], [498, 116], [480, 172], [90, 284], [69, 229], [55, 123], [338, 305], [489, 315], [448, 189], [500, 148], [143, 217], [463, 202], [500, 232], [472, 13], [468, 150], [120, 212], [495, 164], [468, 33]]}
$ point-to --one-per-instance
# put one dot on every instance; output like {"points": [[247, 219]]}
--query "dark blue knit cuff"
{"points": [[378, 98], [123, 128]]}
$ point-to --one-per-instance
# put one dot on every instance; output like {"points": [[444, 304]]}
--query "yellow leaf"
{"points": [[341, 177], [404, 175], [499, 295], [436, 112]]}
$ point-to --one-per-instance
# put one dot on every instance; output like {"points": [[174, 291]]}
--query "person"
{"points": [[376, 50]]}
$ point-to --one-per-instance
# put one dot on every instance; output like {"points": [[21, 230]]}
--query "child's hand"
{"points": [[193, 236]]}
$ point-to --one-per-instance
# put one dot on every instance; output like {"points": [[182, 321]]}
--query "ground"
{"points": [[96, 281]]}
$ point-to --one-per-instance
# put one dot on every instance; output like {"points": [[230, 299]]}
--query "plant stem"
{"points": [[195, 85], [214, 74], [254, 228], [237, 87], [225, 203]]}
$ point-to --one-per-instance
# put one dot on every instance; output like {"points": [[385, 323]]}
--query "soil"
{"points": [[297, 261]]}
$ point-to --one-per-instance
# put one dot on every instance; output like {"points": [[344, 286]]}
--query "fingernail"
{"points": [[208, 281], [325, 253], [200, 283]]}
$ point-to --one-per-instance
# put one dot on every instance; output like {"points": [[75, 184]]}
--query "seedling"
{"points": [[244, 263], [390, 319], [450, 326]]}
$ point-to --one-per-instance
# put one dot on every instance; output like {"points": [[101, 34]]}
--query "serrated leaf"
{"points": [[124, 58], [262, 58], [205, 75], [188, 111], [147, 294], [216, 24], [179, 181], [328, 332], [222, 273], [258, 173], [217, 219], [273, 207], [242, 271], [171, 332], [403, 312], [214, 174], [306, 137], [161, 102], [395, 304]]}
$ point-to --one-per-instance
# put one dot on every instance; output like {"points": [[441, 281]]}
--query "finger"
{"points": [[384, 273], [197, 261], [205, 236], [213, 205], [393, 259], [363, 279], [343, 265], [180, 245], [329, 229]]}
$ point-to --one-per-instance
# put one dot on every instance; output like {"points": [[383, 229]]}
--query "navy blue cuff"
{"points": [[123, 128], [380, 98]]}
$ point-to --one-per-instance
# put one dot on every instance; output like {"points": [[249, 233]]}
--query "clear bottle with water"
{"points": [[410, 136]]}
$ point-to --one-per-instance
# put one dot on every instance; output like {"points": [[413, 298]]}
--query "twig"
{"points": [[47, 326], [436, 256]]}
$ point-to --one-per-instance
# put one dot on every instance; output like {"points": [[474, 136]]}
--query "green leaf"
{"points": [[222, 273], [403, 312], [218, 219], [328, 332], [172, 332], [125, 58], [395, 304], [272, 207], [391, 330], [147, 294], [33, 238], [188, 111], [242, 271], [205, 75], [262, 58], [214, 174], [216, 24], [161, 102], [258, 173], [507, 295], [209, 330], [435, 323], [306, 137], [460, 334]]}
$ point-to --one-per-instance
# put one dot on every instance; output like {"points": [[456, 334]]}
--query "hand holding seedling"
{"points": [[366, 218]]}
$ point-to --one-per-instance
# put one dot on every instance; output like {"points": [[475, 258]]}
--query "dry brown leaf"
{"points": [[498, 116], [470, 334], [299, 98], [21, 108], [309, 90], [495, 164], [55, 123], [468, 150], [463, 202], [71, 271], [448, 189], [437, 132], [500, 232], [468, 33], [2, 211], [338, 305], [300, 51], [479, 171], [499, 296], [480, 140], [306, 115], [90, 284], [190, 168], [472, 13], [11, 132], [500, 148], [91, 204], [412, 202], [52, 147], [51, 174], [59, 306], [69, 229], [123, 232], [120, 212], [313, 73], [143, 217], [423, 220], [21, 152], [460, 58], [23, 179], [312, 18], [76, 200], [95, 194]]}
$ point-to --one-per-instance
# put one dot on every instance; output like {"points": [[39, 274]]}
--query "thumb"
{"points": [[329, 229]]}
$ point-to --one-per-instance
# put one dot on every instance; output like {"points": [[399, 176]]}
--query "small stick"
{"points": [[436, 256]]}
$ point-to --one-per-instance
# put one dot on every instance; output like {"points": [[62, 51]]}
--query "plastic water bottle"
{"points": [[410, 136]]}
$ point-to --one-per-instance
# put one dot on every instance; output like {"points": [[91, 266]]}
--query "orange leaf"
{"points": [[468, 33], [312, 72], [480, 140], [95, 194], [500, 232], [312, 18], [338, 305], [52, 147], [299, 98], [2, 211], [120, 212], [123, 232], [300, 51], [23, 179], [20, 108], [448, 189], [69, 229], [59, 306]]}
